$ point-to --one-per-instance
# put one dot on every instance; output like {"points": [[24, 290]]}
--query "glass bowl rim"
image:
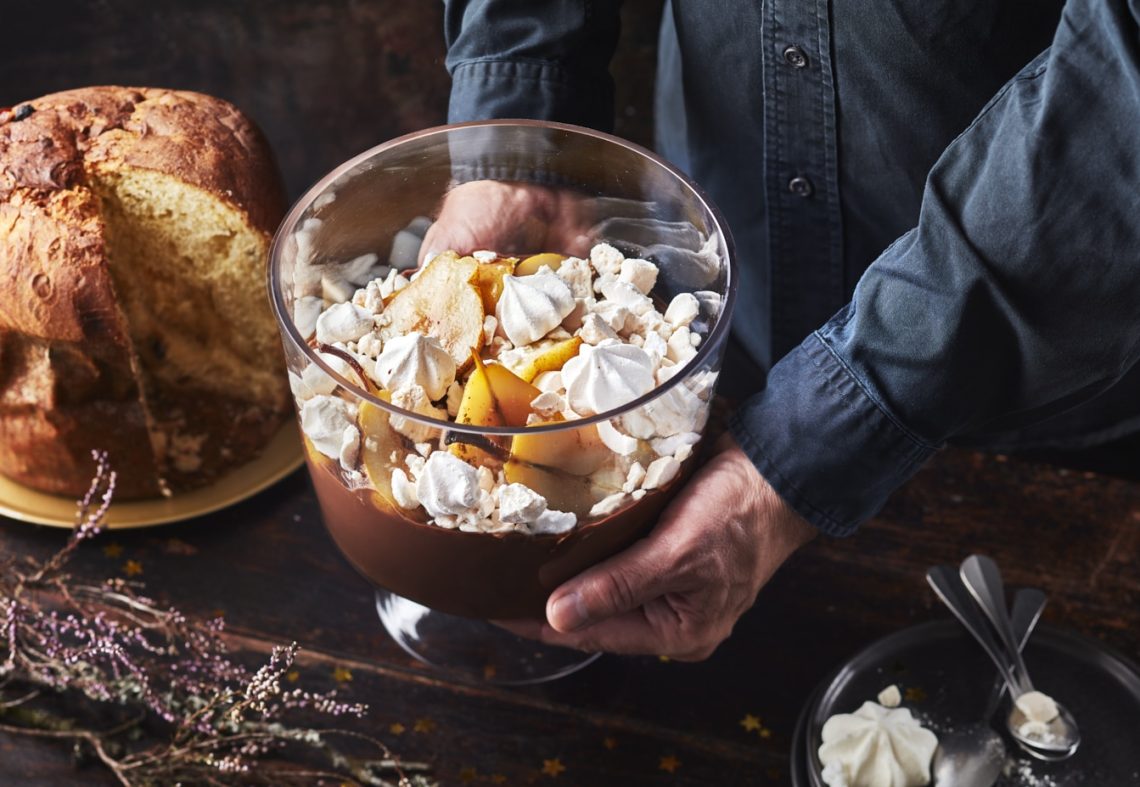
{"points": [[717, 336]]}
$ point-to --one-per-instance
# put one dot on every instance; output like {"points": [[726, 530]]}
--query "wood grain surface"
{"points": [[329, 79], [268, 564]]}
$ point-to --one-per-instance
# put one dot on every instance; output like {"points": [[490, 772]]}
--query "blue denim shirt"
{"points": [[942, 196]]}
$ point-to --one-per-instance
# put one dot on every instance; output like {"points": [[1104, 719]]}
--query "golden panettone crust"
{"points": [[202, 140], [68, 378]]}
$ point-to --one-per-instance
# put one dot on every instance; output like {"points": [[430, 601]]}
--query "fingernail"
{"points": [[567, 613]]}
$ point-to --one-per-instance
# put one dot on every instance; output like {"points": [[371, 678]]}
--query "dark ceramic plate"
{"points": [[946, 679]]}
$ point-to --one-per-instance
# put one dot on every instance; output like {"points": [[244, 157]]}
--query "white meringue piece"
{"points": [[486, 478], [577, 275], [681, 346], [547, 403], [416, 359], [596, 330], [890, 697], [615, 315], [551, 522], [519, 504], [414, 399], [634, 478], [328, 421], [642, 274], [682, 310], [306, 310], [606, 259], [403, 490], [343, 322], [668, 446], [660, 472], [370, 345], [656, 347], [607, 376], [369, 297], [334, 289], [608, 505], [549, 382], [454, 398], [877, 747], [621, 444], [650, 322], [532, 306], [1037, 706], [672, 412], [625, 294], [314, 381], [447, 486], [393, 283]]}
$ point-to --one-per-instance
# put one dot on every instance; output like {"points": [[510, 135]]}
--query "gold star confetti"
{"points": [[397, 728], [610, 743], [553, 767], [132, 568], [113, 550], [176, 546], [489, 672], [669, 763], [423, 725], [498, 778], [765, 732], [467, 774], [293, 676], [664, 659], [342, 674], [914, 694], [750, 722]]}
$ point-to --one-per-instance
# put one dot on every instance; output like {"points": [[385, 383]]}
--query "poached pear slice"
{"points": [[549, 357], [535, 261], [379, 442], [558, 465], [489, 281], [493, 396], [441, 302]]}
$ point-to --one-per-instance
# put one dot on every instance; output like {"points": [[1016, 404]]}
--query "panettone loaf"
{"points": [[134, 229]]}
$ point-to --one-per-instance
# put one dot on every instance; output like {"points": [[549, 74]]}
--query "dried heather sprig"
{"points": [[116, 646]]}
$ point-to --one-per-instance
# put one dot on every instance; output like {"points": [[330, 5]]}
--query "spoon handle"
{"points": [[982, 578], [948, 587], [1028, 604]]}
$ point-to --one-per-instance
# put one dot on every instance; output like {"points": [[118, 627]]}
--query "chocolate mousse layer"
{"points": [[478, 575]]}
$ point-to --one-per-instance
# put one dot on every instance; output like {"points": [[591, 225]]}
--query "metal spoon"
{"points": [[973, 756], [1062, 736]]}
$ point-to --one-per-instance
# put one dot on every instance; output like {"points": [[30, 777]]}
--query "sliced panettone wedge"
{"points": [[134, 230]]}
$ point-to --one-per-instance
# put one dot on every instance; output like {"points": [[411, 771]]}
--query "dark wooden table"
{"points": [[269, 565], [327, 80]]}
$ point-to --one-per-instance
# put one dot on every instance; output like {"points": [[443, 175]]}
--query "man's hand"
{"points": [[679, 591], [509, 218]]}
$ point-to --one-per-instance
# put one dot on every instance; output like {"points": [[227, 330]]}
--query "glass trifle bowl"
{"points": [[490, 412]]}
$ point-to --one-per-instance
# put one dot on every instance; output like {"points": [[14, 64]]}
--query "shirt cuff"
{"points": [[822, 440], [494, 89]]}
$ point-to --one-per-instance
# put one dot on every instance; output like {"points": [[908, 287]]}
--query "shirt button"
{"points": [[800, 186], [795, 57]]}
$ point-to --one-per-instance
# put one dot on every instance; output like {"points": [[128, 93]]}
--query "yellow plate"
{"points": [[282, 456]]}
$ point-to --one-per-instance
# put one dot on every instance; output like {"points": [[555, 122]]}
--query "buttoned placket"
{"points": [[801, 171]]}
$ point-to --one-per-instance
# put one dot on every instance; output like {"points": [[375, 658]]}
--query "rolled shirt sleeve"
{"points": [[524, 59], [1016, 297]]}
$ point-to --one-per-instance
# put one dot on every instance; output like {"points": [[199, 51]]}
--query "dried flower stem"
{"points": [[224, 725]]}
